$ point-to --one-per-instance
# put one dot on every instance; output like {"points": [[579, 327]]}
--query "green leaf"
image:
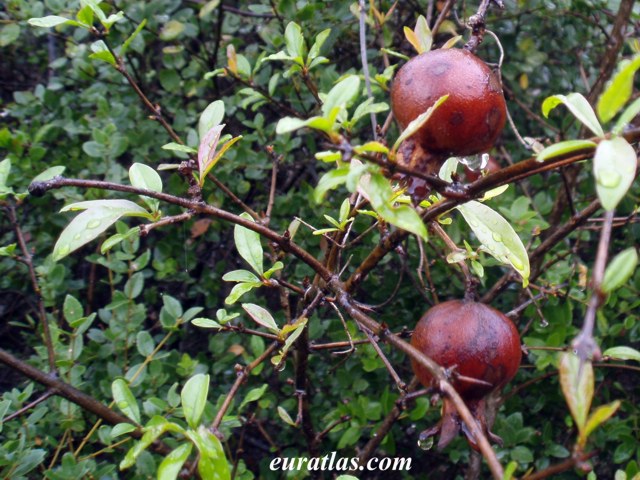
{"points": [[418, 122], [367, 107], [176, 147], [48, 174], [614, 167], [211, 117], [627, 116], [143, 176], [5, 169], [620, 269], [125, 205], [240, 276], [289, 124], [293, 336], [248, 245], [577, 386], [145, 343], [207, 8], [172, 464], [253, 395], [115, 239], [239, 290], [497, 236], [284, 415], [622, 353], [194, 398], [205, 323], [509, 470], [8, 250], [49, 21], [171, 30], [261, 316], [317, 45], [380, 195], [95, 8], [618, 90], [578, 106], [8, 34], [598, 417], [375, 147], [563, 148], [122, 429], [276, 266], [294, 40], [213, 464], [125, 400], [113, 18], [131, 38], [341, 95], [154, 429], [101, 52], [90, 224], [72, 309]]}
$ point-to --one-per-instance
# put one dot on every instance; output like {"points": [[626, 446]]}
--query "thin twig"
{"points": [[584, 344], [365, 63], [28, 261]]}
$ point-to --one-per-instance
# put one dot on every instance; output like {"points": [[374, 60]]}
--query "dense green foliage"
{"points": [[126, 313]]}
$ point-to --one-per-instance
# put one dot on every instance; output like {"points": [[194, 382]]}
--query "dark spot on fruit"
{"points": [[440, 68], [457, 118]]}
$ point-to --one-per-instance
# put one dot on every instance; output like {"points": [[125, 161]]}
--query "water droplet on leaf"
{"points": [[475, 163], [425, 443], [94, 224], [609, 178]]}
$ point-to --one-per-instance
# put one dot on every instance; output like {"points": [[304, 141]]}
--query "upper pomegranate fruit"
{"points": [[473, 116], [480, 345]]}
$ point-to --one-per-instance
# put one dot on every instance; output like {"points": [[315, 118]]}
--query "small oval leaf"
{"points": [[614, 167], [497, 236], [125, 400], [620, 269], [194, 398]]}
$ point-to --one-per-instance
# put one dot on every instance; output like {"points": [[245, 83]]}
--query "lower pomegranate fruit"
{"points": [[480, 346]]}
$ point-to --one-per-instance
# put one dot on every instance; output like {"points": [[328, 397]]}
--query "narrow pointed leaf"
{"points": [[418, 122], [599, 416], [578, 106], [618, 91], [564, 148], [577, 386]]}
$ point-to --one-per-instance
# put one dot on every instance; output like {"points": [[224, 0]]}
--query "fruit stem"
{"points": [[478, 25]]}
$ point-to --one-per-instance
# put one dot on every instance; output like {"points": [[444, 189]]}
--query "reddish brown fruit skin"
{"points": [[482, 344], [473, 116], [478, 340]]}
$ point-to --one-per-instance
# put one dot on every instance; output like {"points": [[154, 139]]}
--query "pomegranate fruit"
{"points": [[480, 346], [467, 123], [473, 116]]}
